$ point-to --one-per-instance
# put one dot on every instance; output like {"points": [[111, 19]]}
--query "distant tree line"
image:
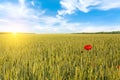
{"points": [[113, 32]]}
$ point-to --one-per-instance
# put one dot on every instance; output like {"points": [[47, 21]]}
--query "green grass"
{"points": [[59, 57]]}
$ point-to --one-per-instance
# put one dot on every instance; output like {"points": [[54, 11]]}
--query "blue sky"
{"points": [[59, 16]]}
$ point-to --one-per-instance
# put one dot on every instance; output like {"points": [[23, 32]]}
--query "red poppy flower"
{"points": [[88, 47]]}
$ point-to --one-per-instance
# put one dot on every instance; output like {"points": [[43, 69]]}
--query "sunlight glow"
{"points": [[14, 33], [14, 29]]}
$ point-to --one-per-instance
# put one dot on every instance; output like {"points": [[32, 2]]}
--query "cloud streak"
{"points": [[69, 7]]}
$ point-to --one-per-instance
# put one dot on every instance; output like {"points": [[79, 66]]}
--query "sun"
{"points": [[14, 33], [14, 30]]}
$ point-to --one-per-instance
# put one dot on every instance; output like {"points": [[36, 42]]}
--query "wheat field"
{"points": [[59, 57]]}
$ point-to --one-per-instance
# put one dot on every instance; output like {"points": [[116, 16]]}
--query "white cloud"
{"points": [[109, 4], [18, 16], [19, 10], [69, 7]]}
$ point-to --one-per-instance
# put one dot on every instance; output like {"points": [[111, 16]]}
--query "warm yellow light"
{"points": [[14, 33], [14, 30]]}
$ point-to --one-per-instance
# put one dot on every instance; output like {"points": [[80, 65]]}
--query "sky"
{"points": [[59, 16]]}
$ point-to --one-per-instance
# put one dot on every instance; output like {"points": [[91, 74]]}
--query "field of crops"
{"points": [[59, 57]]}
